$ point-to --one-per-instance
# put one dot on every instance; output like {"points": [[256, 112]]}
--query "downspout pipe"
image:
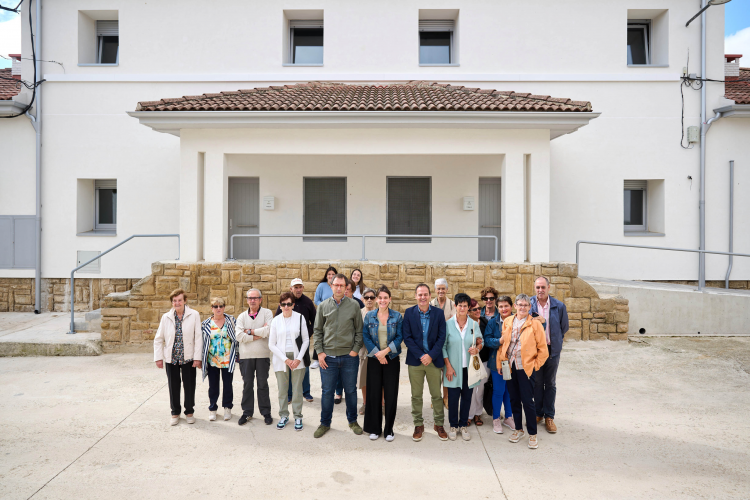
{"points": [[704, 130], [36, 121], [731, 223]]}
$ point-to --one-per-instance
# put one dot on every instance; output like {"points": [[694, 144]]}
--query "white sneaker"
{"points": [[314, 365], [390, 437], [497, 426], [190, 419], [227, 414], [533, 444], [374, 437], [516, 436], [465, 433], [174, 420], [452, 433], [211, 416]]}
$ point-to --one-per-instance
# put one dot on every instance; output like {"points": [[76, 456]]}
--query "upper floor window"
{"points": [[436, 41], [98, 38], [635, 205], [639, 42], [648, 37], [106, 204], [306, 42], [107, 42]]}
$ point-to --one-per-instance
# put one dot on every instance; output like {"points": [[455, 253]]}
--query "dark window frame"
{"points": [[644, 25], [304, 209], [388, 210]]}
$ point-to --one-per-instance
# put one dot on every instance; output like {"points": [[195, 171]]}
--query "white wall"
{"points": [[575, 50]]}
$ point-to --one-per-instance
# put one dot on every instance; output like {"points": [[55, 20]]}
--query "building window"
{"points": [[409, 208], [635, 205], [325, 207], [107, 42], [306, 42], [436, 41], [639, 42], [105, 211]]}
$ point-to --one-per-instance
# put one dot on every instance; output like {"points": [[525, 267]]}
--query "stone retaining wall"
{"points": [[17, 294], [131, 319]]}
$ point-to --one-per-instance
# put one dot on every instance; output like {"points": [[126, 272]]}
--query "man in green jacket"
{"points": [[338, 339]]}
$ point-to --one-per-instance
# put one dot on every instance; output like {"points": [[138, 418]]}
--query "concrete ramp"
{"points": [[667, 309], [29, 334]]}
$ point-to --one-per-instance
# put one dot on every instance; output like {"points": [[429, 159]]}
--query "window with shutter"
{"points": [[325, 207], [108, 42], [106, 204], [409, 208], [635, 205], [306, 42], [436, 41]]}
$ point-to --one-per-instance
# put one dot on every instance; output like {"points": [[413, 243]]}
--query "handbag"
{"points": [[298, 340], [476, 369]]}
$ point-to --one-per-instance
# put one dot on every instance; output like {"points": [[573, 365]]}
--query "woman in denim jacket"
{"points": [[382, 334]]}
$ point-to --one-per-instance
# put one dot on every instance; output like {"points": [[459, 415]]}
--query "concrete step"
{"points": [[46, 335], [92, 322]]}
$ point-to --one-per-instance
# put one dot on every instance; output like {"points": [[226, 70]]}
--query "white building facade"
{"points": [[541, 180]]}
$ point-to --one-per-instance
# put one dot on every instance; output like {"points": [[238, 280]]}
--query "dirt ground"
{"points": [[657, 418]]}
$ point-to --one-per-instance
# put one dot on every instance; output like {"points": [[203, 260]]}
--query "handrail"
{"points": [[72, 273], [691, 250], [363, 236]]}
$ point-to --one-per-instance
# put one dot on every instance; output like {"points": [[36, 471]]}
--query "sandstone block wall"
{"points": [[131, 319], [17, 294]]}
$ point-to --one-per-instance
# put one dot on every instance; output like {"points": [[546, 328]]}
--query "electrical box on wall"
{"points": [[269, 203], [693, 135], [468, 203]]}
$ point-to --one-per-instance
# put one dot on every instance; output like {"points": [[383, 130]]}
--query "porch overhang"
{"points": [[171, 122], [734, 111]]}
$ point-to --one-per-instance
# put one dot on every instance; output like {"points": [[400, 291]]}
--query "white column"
{"points": [[215, 225], [539, 206], [188, 203], [513, 211]]}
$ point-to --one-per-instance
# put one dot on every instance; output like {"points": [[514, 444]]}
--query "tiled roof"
{"points": [[8, 88], [412, 96], [739, 90]]}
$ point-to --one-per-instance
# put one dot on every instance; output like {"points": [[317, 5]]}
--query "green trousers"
{"points": [[417, 374], [282, 379]]}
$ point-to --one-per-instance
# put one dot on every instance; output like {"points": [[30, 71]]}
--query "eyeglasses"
{"points": [[488, 299], [253, 298], [522, 305], [216, 307], [286, 304], [474, 309], [369, 298]]}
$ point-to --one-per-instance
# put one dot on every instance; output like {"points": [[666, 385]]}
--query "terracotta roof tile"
{"points": [[739, 90], [412, 96], [8, 88]]}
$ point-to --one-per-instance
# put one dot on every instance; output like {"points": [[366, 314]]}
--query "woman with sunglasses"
{"points": [[477, 396], [368, 297], [500, 391], [289, 343], [219, 355], [489, 297], [358, 284], [382, 335]]}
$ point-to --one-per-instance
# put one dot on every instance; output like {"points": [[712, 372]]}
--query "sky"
{"points": [[736, 31]]}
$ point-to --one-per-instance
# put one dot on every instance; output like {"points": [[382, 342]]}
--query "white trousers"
{"points": [[477, 396]]}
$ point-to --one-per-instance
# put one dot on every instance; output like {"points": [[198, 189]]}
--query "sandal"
{"points": [[478, 420]]}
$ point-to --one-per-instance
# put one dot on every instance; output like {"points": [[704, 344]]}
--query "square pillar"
{"points": [[513, 208], [216, 209], [189, 197], [538, 206]]}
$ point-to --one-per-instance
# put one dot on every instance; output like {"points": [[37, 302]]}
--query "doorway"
{"points": [[489, 217], [244, 210]]}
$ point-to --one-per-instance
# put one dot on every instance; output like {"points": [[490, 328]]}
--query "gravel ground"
{"points": [[657, 418]]}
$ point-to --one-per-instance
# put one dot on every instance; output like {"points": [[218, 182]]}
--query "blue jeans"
{"points": [[500, 395], [342, 368], [545, 387], [305, 385], [340, 387]]}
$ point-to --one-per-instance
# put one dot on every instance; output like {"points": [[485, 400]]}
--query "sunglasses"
{"points": [[369, 298], [488, 299], [216, 307], [474, 309], [286, 304]]}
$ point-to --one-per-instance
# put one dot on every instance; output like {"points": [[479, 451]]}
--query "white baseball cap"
{"points": [[296, 281]]}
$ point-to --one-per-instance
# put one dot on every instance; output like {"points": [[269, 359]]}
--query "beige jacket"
{"points": [[450, 307], [191, 336], [261, 326]]}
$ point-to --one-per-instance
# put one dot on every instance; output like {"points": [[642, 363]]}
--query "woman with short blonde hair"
{"points": [[219, 356]]}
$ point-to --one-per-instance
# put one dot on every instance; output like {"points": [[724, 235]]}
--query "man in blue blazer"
{"points": [[424, 336], [555, 319]]}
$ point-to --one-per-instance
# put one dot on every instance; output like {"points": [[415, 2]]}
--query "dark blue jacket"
{"points": [[413, 336], [558, 323], [493, 333]]}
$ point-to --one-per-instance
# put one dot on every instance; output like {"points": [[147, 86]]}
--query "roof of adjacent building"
{"points": [[739, 90], [412, 96], [9, 86]]}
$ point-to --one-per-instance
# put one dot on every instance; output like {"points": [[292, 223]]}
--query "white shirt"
{"points": [[544, 312], [357, 293], [462, 331], [290, 337]]}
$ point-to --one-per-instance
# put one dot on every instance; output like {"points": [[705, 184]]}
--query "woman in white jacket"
{"points": [[289, 343]]}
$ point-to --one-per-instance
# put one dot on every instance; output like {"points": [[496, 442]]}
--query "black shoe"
{"points": [[243, 420], [338, 401], [268, 420]]}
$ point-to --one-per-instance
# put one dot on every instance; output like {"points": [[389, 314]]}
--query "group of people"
{"points": [[357, 339]]}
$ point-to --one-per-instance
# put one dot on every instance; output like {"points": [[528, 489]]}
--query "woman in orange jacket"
{"points": [[524, 347]]}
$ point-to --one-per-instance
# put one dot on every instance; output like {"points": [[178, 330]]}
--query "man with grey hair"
{"points": [[255, 357], [554, 316]]}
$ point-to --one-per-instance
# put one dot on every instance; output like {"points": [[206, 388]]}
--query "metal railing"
{"points": [[689, 250], [72, 273], [363, 236]]}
